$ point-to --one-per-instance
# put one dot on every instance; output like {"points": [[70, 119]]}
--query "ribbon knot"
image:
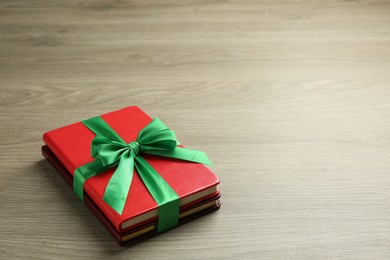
{"points": [[134, 146]]}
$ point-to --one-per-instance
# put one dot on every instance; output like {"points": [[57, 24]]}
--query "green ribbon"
{"points": [[109, 150]]}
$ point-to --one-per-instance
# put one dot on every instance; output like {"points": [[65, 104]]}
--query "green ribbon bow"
{"points": [[109, 150]]}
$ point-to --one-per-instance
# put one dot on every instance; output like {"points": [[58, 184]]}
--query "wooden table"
{"points": [[291, 101]]}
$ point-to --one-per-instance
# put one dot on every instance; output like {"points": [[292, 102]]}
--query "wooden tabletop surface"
{"points": [[290, 100]]}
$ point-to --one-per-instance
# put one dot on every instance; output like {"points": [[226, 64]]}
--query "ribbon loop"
{"points": [[108, 151]]}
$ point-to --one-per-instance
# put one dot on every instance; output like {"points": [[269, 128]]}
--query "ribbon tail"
{"points": [[184, 154], [166, 198], [118, 187]]}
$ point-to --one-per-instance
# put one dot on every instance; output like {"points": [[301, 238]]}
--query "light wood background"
{"points": [[290, 99]]}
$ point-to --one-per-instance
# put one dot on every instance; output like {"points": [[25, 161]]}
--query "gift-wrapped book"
{"points": [[132, 173]]}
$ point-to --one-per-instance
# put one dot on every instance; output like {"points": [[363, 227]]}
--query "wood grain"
{"points": [[290, 99]]}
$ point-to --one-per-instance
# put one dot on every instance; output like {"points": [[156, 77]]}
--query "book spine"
{"points": [[55, 149]]}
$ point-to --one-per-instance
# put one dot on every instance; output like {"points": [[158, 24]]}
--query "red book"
{"points": [[195, 184]]}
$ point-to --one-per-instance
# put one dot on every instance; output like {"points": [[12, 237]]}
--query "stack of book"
{"points": [[69, 147]]}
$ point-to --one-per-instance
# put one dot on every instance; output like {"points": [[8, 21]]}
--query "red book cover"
{"points": [[72, 146]]}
